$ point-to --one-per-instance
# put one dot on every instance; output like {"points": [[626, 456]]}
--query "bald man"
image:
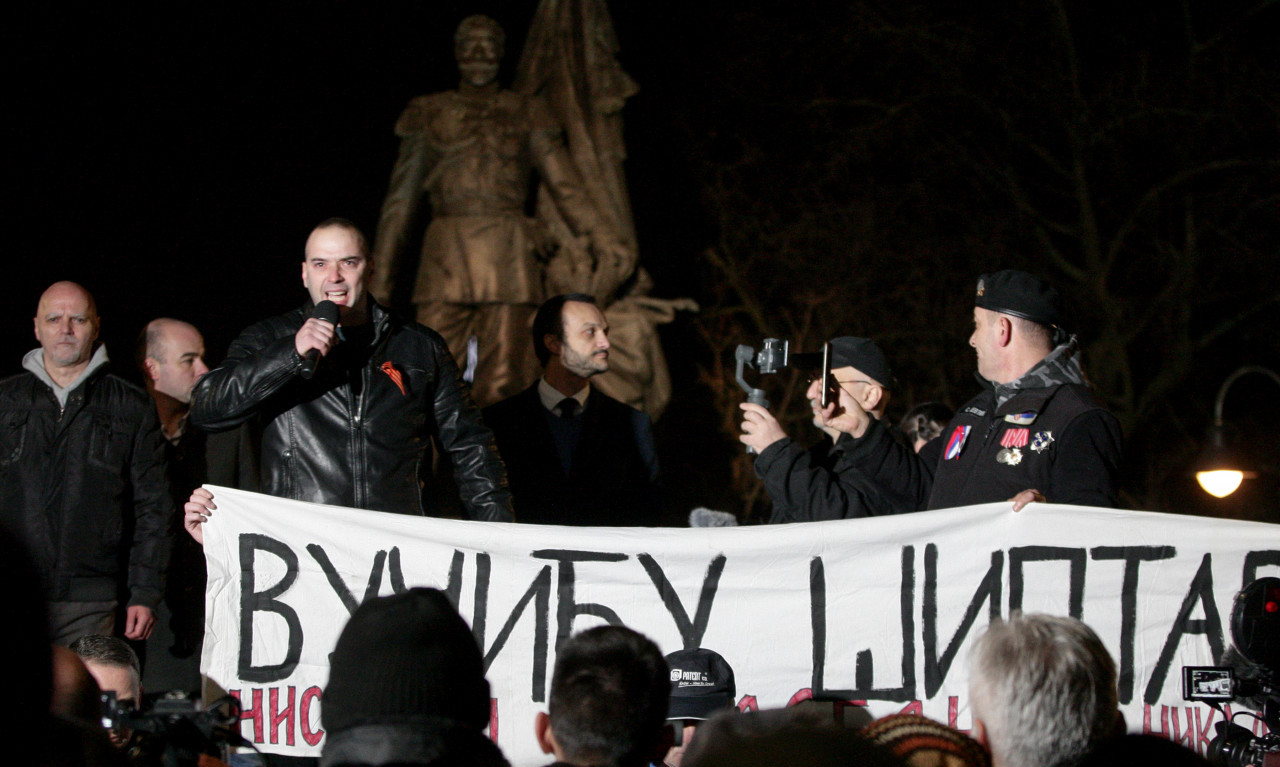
{"points": [[348, 412], [82, 475], [170, 356]]}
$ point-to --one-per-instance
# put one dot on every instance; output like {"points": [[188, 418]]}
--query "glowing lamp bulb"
{"points": [[1220, 483], [1271, 607]]}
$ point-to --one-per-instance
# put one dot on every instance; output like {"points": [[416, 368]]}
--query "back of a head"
{"points": [[1045, 689], [108, 650], [926, 421], [922, 742], [609, 692], [405, 656], [781, 738]]}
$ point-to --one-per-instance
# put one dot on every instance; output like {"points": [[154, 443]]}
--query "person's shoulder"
{"points": [[503, 410], [1079, 397], [605, 401], [407, 342], [981, 405], [398, 328], [18, 380], [125, 389], [280, 325], [123, 398], [18, 390]]}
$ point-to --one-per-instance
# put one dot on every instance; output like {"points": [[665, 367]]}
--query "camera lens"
{"points": [[1233, 747]]}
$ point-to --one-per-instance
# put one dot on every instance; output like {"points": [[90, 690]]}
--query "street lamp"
{"points": [[1218, 468]]}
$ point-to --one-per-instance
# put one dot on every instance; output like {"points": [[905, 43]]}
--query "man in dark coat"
{"points": [[821, 483], [82, 475], [1035, 433], [356, 429], [574, 455]]}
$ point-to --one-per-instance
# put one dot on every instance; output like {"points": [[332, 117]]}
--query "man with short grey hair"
{"points": [[1042, 691], [114, 666]]}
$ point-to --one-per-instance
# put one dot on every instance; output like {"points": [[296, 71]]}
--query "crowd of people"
{"points": [[340, 402]]}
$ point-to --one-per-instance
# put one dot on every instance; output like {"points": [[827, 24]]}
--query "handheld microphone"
{"points": [[325, 311]]}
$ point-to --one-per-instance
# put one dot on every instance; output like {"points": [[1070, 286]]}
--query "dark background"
{"points": [[174, 162], [802, 170]]}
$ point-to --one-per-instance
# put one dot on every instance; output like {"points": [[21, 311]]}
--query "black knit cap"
{"points": [[701, 684], [404, 656], [1021, 295], [863, 354]]}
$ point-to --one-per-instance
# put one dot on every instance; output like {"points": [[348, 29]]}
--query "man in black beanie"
{"points": [[407, 687], [822, 483], [1035, 433]]}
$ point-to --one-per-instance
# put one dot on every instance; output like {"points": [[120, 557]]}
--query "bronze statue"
{"points": [[471, 152]]}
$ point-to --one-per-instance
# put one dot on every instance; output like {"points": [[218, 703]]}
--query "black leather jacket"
{"points": [[358, 434], [86, 486]]}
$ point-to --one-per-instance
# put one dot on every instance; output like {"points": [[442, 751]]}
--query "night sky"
{"points": [[172, 158]]}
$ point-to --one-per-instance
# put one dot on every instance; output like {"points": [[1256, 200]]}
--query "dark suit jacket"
{"points": [[613, 475]]}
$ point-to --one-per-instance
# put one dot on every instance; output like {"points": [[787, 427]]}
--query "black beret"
{"points": [[863, 354], [1021, 295]]}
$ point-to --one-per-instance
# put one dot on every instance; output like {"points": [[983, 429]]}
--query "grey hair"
{"points": [[109, 651], [1045, 689]]}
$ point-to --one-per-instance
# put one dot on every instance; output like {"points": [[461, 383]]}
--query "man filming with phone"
{"points": [[819, 483]]}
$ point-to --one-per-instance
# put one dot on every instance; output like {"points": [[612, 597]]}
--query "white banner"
{"points": [[880, 610]]}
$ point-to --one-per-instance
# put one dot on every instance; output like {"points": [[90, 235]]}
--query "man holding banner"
{"points": [[1036, 433]]}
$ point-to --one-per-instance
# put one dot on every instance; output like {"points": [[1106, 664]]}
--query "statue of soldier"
{"points": [[471, 152]]}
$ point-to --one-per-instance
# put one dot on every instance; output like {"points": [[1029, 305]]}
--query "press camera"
{"points": [[175, 731], [1249, 675]]}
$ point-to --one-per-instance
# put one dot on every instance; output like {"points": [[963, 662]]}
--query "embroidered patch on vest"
{"points": [[976, 411], [1021, 419], [956, 443]]}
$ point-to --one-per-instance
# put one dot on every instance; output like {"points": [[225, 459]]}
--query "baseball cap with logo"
{"points": [[701, 684]]}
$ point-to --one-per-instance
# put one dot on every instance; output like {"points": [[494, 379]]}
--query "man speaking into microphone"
{"points": [[347, 402]]}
